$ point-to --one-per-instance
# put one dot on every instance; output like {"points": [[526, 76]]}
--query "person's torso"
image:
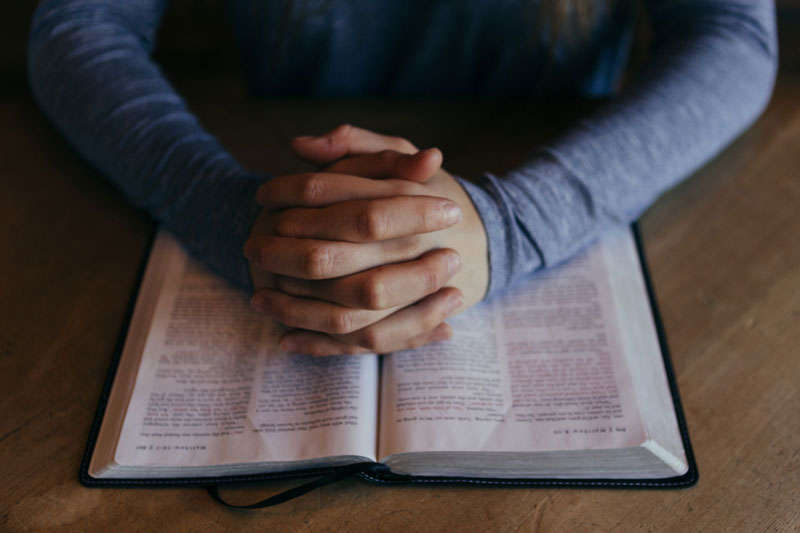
{"points": [[422, 47]]}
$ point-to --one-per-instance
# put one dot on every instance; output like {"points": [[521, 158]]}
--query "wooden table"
{"points": [[724, 248]]}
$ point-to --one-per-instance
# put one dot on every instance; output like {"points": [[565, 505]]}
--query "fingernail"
{"points": [[453, 263], [451, 213], [454, 303]]}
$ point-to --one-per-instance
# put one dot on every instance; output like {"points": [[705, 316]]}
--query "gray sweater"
{"points": [[710, 74]]}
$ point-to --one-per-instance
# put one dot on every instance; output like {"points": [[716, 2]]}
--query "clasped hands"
{"points": [[370, 254]]}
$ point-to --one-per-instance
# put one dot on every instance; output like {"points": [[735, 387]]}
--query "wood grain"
{"points": [[724, 249]]}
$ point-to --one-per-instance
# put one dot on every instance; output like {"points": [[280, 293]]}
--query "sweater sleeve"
{"points": [[711, 73], [90, 71]]}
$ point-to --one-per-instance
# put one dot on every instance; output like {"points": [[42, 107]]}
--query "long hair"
{"points": [[569, 22]]}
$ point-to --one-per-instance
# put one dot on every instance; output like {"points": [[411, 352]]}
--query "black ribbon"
{"points": [[337, 475]]}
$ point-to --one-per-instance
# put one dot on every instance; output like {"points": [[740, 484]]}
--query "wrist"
{"points": [[497, 222], [213, 221]]}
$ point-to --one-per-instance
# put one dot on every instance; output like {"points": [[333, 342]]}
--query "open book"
{"points": [[562, 379]]}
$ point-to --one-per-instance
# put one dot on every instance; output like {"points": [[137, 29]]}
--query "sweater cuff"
{"points": [[214, 222], [504, 245]]}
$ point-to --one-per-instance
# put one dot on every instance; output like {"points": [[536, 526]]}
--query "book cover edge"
{"points": [[380, 475]]}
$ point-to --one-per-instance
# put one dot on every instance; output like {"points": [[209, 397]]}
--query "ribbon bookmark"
{"points": [[333, 477]]}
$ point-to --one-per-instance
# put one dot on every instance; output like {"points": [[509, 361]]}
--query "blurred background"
{"points": [[195, 36]]}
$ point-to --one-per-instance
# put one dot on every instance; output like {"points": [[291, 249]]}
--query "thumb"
{"points": [[347, 140], [388, 164]]}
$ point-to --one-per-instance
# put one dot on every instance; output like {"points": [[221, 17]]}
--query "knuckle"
{"points": [[285, 225], [432, 214], [342, 322], [372, 223], [429, 279], [374, 294], [342, 132], [318, 262], [312, 189]]}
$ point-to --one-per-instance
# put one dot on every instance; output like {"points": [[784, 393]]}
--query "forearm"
{"points": [[91, 72], [710, 76]]}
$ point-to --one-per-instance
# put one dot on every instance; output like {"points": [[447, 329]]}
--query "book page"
{"points": [[213, 389], [540, 369], [642, 349]]}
